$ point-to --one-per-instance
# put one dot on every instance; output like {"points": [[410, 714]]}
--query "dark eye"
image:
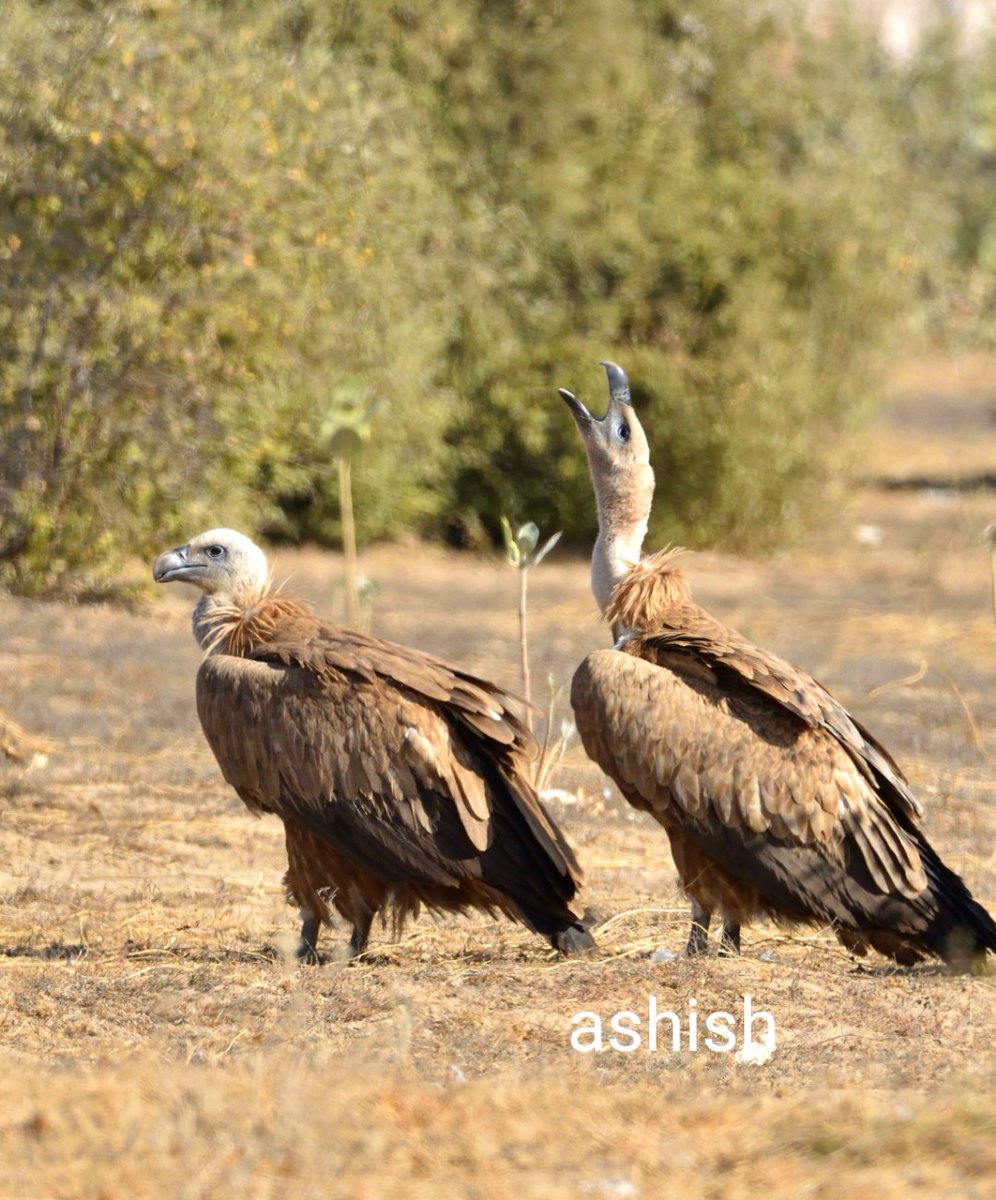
{"points": [[622, 432], [215, 552]]}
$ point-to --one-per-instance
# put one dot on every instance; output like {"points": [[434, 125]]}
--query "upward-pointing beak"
{"points": [[618, 394], [618, 383], [173, 565], [578, 411]]}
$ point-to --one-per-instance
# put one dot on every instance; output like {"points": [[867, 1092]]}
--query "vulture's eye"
{"points": [[622, 432], [215, 552]]}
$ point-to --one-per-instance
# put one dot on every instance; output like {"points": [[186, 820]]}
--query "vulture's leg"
{"points": [[307, 947], [729, 944], [361, 933], [698, 940]]}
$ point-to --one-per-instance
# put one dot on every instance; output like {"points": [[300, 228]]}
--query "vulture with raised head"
{"points": [[774, 799], [401, 780]]}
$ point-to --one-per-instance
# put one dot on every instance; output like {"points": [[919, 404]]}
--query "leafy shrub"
{"points": [[224, 227], [702, 194], [198, 247]]}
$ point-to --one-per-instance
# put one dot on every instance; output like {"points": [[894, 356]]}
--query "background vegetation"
{"points": [[229, 229]]}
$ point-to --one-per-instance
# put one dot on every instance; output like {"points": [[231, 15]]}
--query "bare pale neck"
{"points": [[624, 502], [211, 613]]}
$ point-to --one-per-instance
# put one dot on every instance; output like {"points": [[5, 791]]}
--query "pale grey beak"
{"points": [[173, 565], [618, 383], [618, 394], [578, 411]]}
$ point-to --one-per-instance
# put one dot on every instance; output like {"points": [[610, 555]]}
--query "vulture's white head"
{"points": [[619, 462], [225, 565]]}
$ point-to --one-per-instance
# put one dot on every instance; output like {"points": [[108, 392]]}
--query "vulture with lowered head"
{"points": [[774, 799], [401, 780]]}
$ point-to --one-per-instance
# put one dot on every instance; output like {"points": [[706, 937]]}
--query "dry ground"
{"points": [[156, 1041]]}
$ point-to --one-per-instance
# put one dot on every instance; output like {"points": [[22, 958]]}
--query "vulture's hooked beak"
{"points": [[618, 394], [175, 565], [578, 411]]}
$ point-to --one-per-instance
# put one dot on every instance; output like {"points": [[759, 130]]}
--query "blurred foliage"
{"points": [[203, 230], [227, 229]]}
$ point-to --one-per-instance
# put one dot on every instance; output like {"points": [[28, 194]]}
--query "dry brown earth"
{"points": [[155, 1041]]}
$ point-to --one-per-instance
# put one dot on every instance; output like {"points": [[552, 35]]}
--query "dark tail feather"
{"points": [[962, 930], [967, 935], [564, 931]]}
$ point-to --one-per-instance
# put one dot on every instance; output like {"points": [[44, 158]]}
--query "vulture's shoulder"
{"points": [[319, 658], [692, 641]]}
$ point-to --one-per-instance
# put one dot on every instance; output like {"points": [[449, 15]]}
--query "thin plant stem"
{"points": [[553, 751], [992, 572], [349, 541], [545, 751], [524, 648]]}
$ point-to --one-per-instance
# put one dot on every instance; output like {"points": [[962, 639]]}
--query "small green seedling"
{"points": [[521, 550]]}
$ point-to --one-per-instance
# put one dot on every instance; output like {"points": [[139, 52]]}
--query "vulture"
{"points": [[401, 780], [774, 799]]}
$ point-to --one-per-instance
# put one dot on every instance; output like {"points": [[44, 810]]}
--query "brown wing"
{"points": [[696, 636], [403, 782], [734, 767], [328, 650]]}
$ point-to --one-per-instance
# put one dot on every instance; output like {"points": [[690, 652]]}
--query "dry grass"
{"points": [[155, 1040]]}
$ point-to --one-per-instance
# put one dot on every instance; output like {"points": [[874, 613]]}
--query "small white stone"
{"points": [[559, 795], [608, 1187], [756, 1053], [868, 535]]}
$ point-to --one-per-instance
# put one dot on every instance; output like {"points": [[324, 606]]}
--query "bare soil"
{"points": [[157, 1039]]}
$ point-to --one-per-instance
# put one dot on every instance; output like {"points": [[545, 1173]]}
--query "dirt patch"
{"points": [[155, 1038]]}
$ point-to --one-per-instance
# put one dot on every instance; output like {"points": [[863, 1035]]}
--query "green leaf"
{"points": [[547, 547], [527, 537], [511, 547]]}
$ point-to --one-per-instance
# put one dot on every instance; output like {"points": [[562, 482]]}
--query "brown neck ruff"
{"points": [[224, 627], [643, 597]]}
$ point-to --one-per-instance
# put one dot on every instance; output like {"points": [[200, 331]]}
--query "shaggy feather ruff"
{"points": [[642, 598], [238, 629]]}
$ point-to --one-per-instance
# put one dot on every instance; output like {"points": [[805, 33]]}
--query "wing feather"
{"points": [[744, 763], [692, 641], [395, 779], [328, 651]]}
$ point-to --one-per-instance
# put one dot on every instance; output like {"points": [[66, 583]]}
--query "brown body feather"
{"points": [[774, 799], [402, 781]]}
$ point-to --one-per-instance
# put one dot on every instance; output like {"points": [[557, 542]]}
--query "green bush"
{"points": [[225, 228], [199, 245], [705, 198]]}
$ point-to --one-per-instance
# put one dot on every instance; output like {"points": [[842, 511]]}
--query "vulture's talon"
{"points": [[729, 945], [698, 943]]}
